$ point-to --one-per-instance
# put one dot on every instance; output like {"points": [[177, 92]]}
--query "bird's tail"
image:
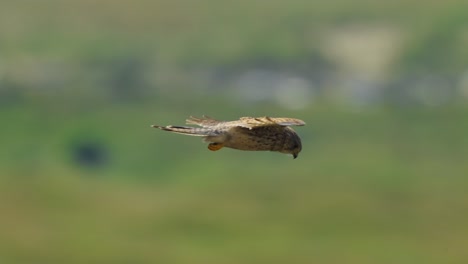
{"points": [[190, 131]]}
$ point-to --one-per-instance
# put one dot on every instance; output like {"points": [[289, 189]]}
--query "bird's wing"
{"points": [[252, 122], [205, 121]]}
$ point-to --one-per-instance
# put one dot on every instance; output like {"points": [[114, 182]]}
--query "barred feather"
{"points": [[191, 131]]}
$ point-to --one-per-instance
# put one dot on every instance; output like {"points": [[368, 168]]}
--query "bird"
{"points": [[247, 133]]}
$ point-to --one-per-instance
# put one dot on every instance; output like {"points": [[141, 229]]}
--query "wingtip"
{"points": [[300, 122]]}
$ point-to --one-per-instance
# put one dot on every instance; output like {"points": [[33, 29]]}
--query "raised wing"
{"points": [[205, 121], [252, 122]]}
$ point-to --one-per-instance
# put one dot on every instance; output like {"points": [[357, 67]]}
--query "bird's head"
{"points": [[296, 149], [292, 145]]}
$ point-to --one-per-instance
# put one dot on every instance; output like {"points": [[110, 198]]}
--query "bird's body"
{"points": [[247, 133]]}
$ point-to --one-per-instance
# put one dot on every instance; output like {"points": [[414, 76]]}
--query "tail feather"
{"points": [[190, 131]]}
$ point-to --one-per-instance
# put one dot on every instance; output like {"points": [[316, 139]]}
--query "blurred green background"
{"points": [[382, 86]]}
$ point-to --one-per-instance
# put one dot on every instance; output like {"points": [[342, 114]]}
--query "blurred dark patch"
{"points": [[122, 77], [126, 80], [10, 93], [423, 89], [90, 154]]}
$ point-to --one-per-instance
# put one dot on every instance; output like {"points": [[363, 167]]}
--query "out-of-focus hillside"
{"points": [[358, 52], [382, 86]]}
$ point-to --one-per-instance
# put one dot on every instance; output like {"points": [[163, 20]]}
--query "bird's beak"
{"points": [[294, 155]]}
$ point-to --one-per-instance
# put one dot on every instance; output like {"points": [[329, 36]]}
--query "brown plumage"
{"points": [[247, 133]]}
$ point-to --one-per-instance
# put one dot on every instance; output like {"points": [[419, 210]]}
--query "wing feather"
{"points": [[205, 121], [252, 122]]}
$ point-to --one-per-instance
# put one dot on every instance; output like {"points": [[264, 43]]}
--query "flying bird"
{"points": [[247, 133]]}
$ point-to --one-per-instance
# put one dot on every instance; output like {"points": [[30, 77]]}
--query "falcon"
{"points": [[247, 133]]}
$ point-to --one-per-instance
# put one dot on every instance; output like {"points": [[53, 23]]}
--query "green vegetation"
{"points": [[381, 186], [218, 32], [84, 179]]}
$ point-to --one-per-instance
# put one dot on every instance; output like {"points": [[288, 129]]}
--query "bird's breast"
{"points": [[261, 138]]}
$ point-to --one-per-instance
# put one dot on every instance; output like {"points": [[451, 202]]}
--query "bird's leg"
{"points": [[215, 146]]}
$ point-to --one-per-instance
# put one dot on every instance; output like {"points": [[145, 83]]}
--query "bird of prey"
{"points": [[247, 133]]}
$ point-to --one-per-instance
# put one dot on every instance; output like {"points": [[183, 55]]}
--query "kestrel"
{"points": [[247, 133]]}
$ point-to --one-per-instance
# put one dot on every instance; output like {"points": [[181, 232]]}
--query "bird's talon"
{"points": [[215, 146]]}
